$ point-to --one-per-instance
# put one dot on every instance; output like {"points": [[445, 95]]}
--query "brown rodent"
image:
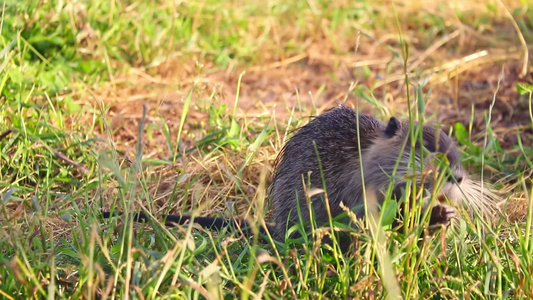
{"points": [[341, 144]]}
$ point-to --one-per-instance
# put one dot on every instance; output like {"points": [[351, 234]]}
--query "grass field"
{"points": [[182, 106]]}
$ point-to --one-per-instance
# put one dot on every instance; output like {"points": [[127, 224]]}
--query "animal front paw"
{"points": [[441, 215]]}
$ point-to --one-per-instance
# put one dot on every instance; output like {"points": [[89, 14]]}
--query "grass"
{"points": [[74, 139]]}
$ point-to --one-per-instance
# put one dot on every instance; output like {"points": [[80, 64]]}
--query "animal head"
{"points": [[432, 161]]}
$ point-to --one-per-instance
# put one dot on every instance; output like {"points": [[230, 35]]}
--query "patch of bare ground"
{"points": [[463, 68]]}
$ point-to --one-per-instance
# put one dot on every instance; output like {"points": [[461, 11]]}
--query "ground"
{"points": [[224, 84]]}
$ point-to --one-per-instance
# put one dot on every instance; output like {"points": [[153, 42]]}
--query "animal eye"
{"points": [[454, 179]]}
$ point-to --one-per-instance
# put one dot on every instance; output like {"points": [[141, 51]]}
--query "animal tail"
{"points": [[211, 223]]}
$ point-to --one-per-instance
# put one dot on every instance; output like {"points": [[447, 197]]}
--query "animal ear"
{"points": [[392, 127]]}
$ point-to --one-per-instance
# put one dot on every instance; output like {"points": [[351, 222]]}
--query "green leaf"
{"points": [[234, 129], [16, 76], [389, 211], [72, 107], [461, 134], [524, 88]]}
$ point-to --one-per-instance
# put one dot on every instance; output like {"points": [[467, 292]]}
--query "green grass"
{"points": [[64, 66]]}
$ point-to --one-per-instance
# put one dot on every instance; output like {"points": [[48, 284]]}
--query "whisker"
{"points": [[480, 197]]}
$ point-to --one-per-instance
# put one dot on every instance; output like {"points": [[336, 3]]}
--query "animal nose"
{"points": [[459, 179]]}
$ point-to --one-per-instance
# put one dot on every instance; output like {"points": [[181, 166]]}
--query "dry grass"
{"points": [[298, 60]]}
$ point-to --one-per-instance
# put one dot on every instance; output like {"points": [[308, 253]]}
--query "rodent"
{"points": [[341, 143]]}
